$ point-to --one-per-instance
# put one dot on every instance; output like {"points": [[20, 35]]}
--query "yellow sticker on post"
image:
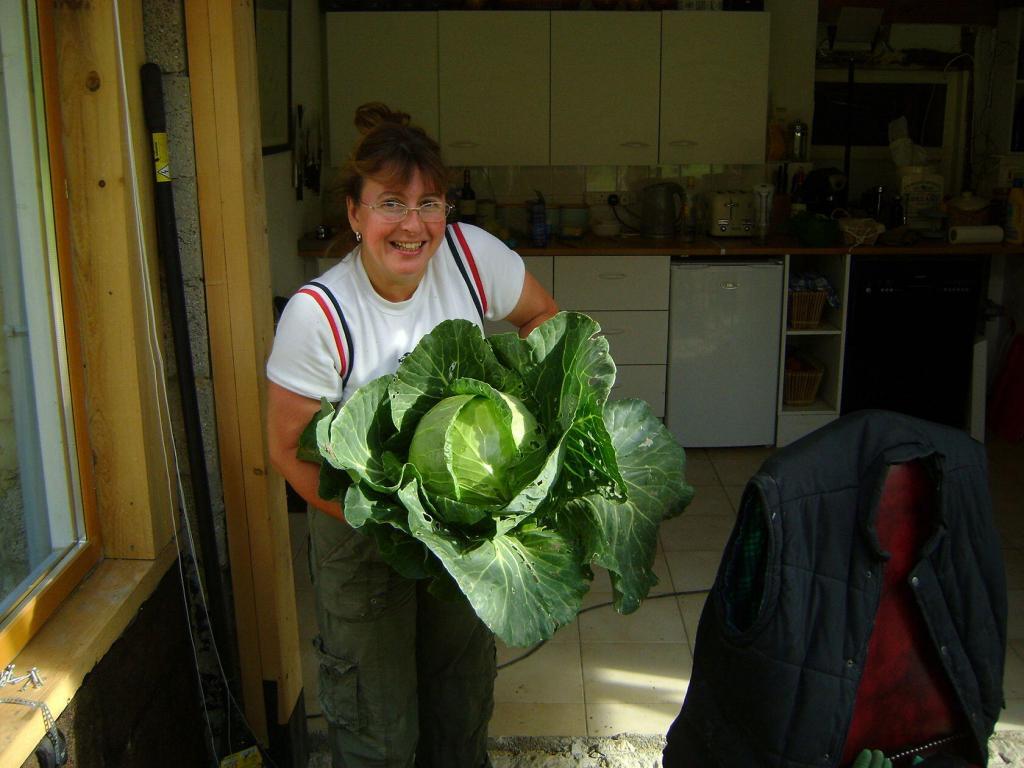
{"points": [[247, 758]]}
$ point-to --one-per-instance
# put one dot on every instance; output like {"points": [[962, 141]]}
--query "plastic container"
{"points": [[574, 221], [921, 190], [967, 210], [1015, 213]]}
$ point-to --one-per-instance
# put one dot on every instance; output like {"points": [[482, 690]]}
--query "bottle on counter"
{"points": [[467, 200], [775, 146], [538, 221], [896, 217], [797, 203]]}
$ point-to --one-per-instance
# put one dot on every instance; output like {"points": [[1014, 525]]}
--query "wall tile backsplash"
{"points": [[568, 185]]}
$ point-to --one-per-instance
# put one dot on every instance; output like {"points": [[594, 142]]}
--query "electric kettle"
{"points": [[659, 211]]}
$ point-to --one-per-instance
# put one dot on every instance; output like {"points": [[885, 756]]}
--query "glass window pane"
{"points": [[39, 521]]}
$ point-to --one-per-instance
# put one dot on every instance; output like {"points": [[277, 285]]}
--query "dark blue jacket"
{"points": [[781, 691]]}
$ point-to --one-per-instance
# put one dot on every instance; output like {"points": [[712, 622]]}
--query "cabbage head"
{"points": [[498, 467], [477, 448]]}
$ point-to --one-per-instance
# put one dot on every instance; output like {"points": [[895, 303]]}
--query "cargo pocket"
{"points": [[339, 688]]}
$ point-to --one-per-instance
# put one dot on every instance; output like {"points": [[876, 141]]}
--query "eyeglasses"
{"points": [[430, 212]]}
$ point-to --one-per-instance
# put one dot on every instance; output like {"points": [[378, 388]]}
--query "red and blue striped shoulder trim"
{"points": [[325, 298], [467, 267]]}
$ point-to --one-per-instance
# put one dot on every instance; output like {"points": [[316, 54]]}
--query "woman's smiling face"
{"points": [[395, 254]]}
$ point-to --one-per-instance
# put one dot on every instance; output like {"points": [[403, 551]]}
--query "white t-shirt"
{"points": [[377, 333]]}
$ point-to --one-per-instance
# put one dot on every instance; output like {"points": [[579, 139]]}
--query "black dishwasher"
{"points": [[910, 331]]}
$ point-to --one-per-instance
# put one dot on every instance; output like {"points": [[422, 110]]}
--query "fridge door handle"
{"points": [[729, 285]]}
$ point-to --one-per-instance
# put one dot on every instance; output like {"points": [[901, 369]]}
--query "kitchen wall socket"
{"points": [[613, 199]]}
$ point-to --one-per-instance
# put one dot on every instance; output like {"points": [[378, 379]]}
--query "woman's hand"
{"points": [[535, 305], [288, 414]]}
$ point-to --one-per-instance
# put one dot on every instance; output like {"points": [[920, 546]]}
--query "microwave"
{"points": [[933, 102]]}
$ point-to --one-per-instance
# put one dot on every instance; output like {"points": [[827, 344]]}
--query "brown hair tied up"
{"points": [[375, 113], [391, 150]]}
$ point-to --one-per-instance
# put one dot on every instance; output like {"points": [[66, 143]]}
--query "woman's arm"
{"points": [[288, 414], [535, 305]]}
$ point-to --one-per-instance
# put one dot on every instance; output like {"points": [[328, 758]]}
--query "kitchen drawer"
{"points": [[611, 282], [635, 337], [541, 268], [646, 382]]}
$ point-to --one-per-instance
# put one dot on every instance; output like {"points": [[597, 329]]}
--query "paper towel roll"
{"points": [[989, 233]]}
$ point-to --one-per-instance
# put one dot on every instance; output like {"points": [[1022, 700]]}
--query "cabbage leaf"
{"points": [[513, 507]]}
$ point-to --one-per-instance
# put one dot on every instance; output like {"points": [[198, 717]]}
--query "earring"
{"points": [[359, 237]]}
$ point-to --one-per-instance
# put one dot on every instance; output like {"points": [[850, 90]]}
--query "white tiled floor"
{"points": [[606, 674]]}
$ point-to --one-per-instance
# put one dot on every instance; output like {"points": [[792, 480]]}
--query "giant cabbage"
{"points": [[499, 467]]}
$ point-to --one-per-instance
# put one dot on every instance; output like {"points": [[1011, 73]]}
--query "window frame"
{"points": [[42, 600]]}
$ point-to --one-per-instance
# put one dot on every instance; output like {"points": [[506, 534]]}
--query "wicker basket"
{"points": [[805, 308], [800, 387]]}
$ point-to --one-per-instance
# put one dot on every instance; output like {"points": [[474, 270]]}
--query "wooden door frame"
{"points": [[220, 38]]}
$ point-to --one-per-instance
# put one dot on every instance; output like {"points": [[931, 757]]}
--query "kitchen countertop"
{"points": [[775, 245]]}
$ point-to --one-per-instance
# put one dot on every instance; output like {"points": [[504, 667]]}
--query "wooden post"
{"points": [[232, 212], [114, 247]]}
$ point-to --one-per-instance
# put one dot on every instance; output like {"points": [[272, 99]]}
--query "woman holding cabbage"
{"points": [[404, 677]]}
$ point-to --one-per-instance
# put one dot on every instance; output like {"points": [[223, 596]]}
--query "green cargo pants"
{"points": [[405, 679]]}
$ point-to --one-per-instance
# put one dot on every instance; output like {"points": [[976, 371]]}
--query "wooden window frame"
{"points": [[105, 238], [41, 602]]}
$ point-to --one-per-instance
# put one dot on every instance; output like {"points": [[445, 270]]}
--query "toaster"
{"points": [[732, 214]]}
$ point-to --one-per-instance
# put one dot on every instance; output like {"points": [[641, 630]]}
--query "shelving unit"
{"points": [[824, 343]]}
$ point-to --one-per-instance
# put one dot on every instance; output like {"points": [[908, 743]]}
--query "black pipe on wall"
{"points": [[167, 242]]}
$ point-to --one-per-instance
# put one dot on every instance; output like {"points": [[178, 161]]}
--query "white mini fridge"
{"points": [[723, 367]]}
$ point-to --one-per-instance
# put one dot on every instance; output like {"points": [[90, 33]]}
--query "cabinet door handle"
{"points": [[683, 143], [729, 285], [463, 144], [634, 144], [611, 275]]}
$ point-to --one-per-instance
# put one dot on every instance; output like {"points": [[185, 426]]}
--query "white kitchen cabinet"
{"points": [[604, 87], [646, 382], [634, 337], [495, 87], [823, 344], [542, 270], [404, 79], [602, 282], [628, 296], [714, 86]]}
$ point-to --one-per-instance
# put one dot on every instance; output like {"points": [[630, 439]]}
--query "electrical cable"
{"points": [[155, 359], [159, 378], [615, 210]]}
